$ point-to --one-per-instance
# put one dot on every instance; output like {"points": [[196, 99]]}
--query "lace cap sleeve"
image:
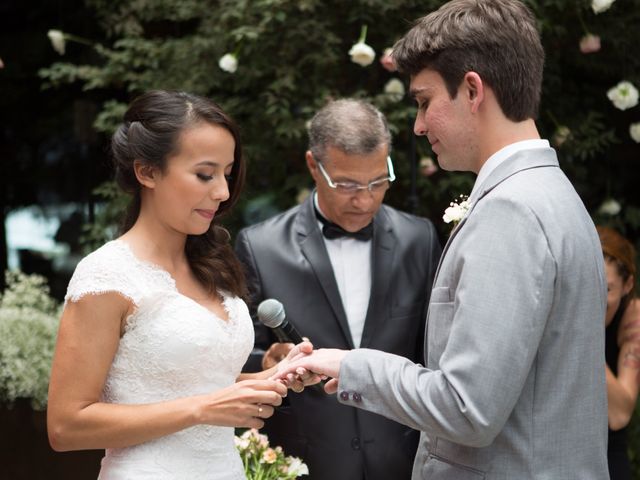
{"points": [[104, 270]]}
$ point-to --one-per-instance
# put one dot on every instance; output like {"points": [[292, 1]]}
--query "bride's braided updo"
{"points": [[149, 134]]}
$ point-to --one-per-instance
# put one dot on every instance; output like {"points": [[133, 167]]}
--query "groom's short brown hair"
{"points": [[498, 39]]}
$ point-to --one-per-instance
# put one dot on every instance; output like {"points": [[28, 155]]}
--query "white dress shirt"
{"points": [[351, 264], [500, 156]]}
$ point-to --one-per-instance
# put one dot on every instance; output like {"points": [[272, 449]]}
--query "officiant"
{"points": [[351, 272]]}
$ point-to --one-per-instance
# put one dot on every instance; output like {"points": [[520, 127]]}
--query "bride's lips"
{"points": [[208, 214]]}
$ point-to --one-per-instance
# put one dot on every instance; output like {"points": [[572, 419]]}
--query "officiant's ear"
{"points": [[312, 165], [145, 173]]}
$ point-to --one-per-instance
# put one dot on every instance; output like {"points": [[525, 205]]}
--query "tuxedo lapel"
{"points": [[382, 253], [314, 250]]}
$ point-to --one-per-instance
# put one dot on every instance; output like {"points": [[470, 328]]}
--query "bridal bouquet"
{"points": [[262, 462]]}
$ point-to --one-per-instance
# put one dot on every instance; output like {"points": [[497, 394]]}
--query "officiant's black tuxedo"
{"points": [[286, 259]]}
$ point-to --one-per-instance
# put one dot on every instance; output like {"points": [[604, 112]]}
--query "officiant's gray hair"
{"points": [[354, 127]]}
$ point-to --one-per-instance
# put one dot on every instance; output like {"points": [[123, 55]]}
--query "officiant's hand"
{"points": [[320, 364], [275, 354]]}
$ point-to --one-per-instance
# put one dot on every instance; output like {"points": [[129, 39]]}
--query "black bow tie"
{"points": [[331, 231]]}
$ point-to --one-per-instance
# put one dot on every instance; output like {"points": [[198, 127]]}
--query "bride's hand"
{"points": [[244, 404]]}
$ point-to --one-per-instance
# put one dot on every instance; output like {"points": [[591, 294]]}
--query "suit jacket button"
{"points": [[357, 397], [355, 443], [344, 396]]}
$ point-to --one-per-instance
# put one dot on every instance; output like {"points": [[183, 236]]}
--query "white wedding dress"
{"points": [[172, 347]]}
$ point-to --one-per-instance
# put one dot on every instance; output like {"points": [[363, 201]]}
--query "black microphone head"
{"points": [[271, 313]]}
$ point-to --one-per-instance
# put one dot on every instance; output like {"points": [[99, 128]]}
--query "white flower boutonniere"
{"points": [[457, 210]]}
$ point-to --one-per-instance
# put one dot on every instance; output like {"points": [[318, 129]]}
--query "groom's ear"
{"points": [[145, 173], [473, 89]]}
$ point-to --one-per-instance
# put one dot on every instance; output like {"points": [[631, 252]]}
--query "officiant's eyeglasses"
{"points": [[350, 188]]}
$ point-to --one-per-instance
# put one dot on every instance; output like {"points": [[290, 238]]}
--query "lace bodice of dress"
{"points": [[172, 347]]}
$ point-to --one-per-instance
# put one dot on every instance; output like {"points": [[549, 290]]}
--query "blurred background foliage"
{"points": [[293, 57]]}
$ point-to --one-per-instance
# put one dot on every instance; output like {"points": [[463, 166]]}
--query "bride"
{"points": [[154, 332]]}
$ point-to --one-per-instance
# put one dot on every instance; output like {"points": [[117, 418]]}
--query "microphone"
{"points": [[271, 314]]}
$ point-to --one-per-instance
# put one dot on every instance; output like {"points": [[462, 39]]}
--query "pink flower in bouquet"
{"points": [[387, 61], [590, 43]]}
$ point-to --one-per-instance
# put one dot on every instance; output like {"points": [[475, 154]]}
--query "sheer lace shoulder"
{"points": [[113, 268]]}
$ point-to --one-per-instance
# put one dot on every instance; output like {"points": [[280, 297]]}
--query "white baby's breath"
{"points": [[624, 95], [28, 327]]}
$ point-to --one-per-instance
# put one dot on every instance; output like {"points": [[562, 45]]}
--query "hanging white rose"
{"points": [[624, 95], [57, 40], [600, 6], [610, 207], [360, 52], [228, 62], [634, 131], [394, 89]]}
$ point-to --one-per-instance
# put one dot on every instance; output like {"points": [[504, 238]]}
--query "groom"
{"points": [[513, 385]]}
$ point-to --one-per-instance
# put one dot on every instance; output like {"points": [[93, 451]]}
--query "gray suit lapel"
{"points": [[520, 161], [382, 253], [314, 250]]}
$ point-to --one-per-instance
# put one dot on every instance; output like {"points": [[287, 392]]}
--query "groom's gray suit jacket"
{"points": [[514, 384], [286, 259]]}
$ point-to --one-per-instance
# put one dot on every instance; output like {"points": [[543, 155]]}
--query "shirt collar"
{"points": [[500, 156]]}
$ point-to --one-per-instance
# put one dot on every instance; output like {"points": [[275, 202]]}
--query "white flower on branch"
{"points": [[57, 40], [228, 62], [360, 52], [624, 95], [634, 131], [394, 89], [600, 6], [610, 207]]}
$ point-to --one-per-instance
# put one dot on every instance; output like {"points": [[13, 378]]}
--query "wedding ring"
{"points": [[259, 410]]}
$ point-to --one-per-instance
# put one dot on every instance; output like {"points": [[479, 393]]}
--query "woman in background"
{"points": [[622, 346]]}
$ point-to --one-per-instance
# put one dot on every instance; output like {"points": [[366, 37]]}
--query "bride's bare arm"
{"points": [[76, 417]]}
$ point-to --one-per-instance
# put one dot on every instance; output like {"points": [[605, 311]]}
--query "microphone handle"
{"points": [[287, 333]]}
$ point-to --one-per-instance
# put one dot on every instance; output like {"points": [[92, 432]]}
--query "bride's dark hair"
{"points": [[149, 134]]}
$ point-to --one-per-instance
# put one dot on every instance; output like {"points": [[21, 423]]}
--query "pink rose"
{"points": [[387, 61], [427, 166], [590, 43]]}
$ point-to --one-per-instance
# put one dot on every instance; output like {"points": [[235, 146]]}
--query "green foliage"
{"points": [[28, 326], [293, 57]]}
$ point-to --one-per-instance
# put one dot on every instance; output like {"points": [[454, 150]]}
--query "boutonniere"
{"points": [[457, 210]]}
